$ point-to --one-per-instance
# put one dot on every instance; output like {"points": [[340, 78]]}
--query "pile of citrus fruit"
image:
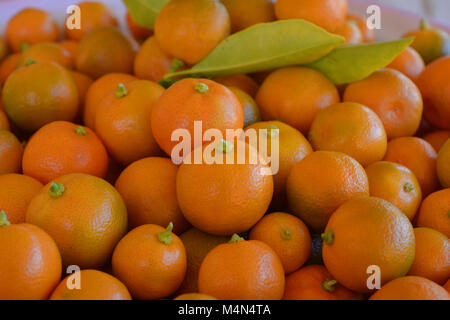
{"points": [[359, 207]]}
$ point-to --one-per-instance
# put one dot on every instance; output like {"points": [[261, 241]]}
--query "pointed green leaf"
{"points": [[351, 63], [144, 12], [265, 46]]}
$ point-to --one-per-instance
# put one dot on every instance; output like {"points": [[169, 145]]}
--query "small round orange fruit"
{"points": [[16, 193], [409, 62], [249, 107], [411, 288], [138, 32], [11, 152], [321, 182], [244, 14], [434, 212], [240, 81], [150, 261], [151, 63], [397, 184], [437, 138], [287, 235], [85, 216], [242, 270], [350, 128], [295, 96], [194, 296], [443, 165], [47, 52], [363, 232], [190, 29], [60, 148]]}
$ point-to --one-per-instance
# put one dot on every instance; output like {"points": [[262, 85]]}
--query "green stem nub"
{"points": [[448, 214], [201, 88], [166, 235], [24, 46], [176, 64], [236, 238], [408, 187], [224, 146], [424, 25], [56, 190], [3, 219], [80, 131], [286, 234], [30, 62], [121, 91], [328, 237], [329, 285]]}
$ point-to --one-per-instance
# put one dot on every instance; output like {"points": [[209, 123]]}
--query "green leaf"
{"points": [[265, 46], [351, 63], [144, 12]]}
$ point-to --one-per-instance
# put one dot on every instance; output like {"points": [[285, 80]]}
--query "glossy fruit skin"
{"points": [[295, 96], [58, 149], [393, 97], [148, 188], [8, 65], [249, 107], [306, 284], [16, 193], [30, 267], [434, 84], [83, 82], [248, 270], [30, 26], [316, 177], [55, 87], [443, 165], [417, 155], [409, 62], [350, 128], [86, 221], [434, 212], [93, 15], [293, 147], [98, 90], [411, 288], [139, 33], [397, 184], [432, 259], [287, 235], [351, 32], [95, 285], [71, 46], [149, 268], [194, 296], [226, 198], [328, 14], [437, 138], [11, 152], [104, 50], [197, 244], [134, 141], [181, 105], [47, 52], [368, 231], [244, 14], [431, 44], [190, 29], [240, 81], [151, 63]]}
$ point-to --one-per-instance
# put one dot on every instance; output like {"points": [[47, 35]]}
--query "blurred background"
{"points": [[439, 9]]}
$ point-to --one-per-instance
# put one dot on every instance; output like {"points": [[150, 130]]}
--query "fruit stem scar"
{"points": [[166, 235], [80, 131], [408, 187], [424, 25], [3, 220], [30, 62], [329, 285], [286, 234], [236, 238], [24, 46], [121, 91], [176, 64], [224, 146], [201, 87], [56, 190], [448, 214], [328, 237]]}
